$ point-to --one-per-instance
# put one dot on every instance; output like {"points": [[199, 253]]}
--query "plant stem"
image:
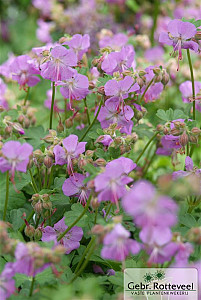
{"points": [[84, 254], [28, 218], [39, 178], [76, 221], [192, 81], [7, 194], [33, 182], [108, 211], [149, 163], [32, 285], [146, 146], [52, 104], [95, 218], [37, 221], [88, 118], [91, 125], [65, 108], [148, 86], [45, 183], [51, 176], [156, 11], [187, 149], [90, 251], [27, 95]]}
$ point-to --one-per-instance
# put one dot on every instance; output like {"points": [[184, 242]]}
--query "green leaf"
{"points": [[59, 199], [188, 220], [16, 217], [33, 136], [117, 279], [197, 23], [58, 182], [76, 210], [114, 152], [132, 5], [170, 114], [91, 169]]}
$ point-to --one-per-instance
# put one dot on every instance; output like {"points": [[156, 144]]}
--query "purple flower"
{"points": [[116, 42], [105, 139], [44, 6], [58, 67], [161, 253], [109, 114], [184, 250], [111, 183], [5, 68], [153, 213], [7, 284], [15, 157], [169, 143], [94, 75], [43, 31], [119, 61], [74, 186], [23, 71], [26, 259], [154, 54], [179, 35], [79, 44], [3, 101], [121, 88], [190, 170], [70, 241], [118, 245], [186, 90], [153, 93], [72, 149], [74, 88]]}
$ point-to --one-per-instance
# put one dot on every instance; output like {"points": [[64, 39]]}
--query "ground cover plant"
{"points": [[100, 144]]}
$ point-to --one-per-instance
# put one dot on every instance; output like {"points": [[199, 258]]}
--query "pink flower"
{"points": [[121, 89], [74, 186], [79, 44], [110, 184], [23, 71], [74, 88], [118, 245], [186, 90], [43, 31], [72, 149], [58, 67], [109, 114], [178, 36], [70, 241], [15, 157], [7, 284], [190, 170]]}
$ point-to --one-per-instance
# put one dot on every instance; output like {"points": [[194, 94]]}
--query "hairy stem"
{"points": [[33, 182], [90, 251], [146, 89], [7, 194], [52, 104], [192, 81], [32, 286], [83, 255], [76, 221], [28, 219], [155, 17], [146, 146], [87, 111], [91, 125], [27, 95]]}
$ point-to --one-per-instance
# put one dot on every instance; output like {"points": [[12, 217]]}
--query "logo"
{"points": [[161, 284]]}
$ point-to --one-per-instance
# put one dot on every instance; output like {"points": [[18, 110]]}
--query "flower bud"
{"points": [[90, 184], [63, 39], [194, 235], [94, 203], [38, 234], [26, 122], [165, 78], [158, 78], [45, 197], [18, 128], [101, 90], [91, 85], [175, 131], [183, 139], [78, 117], [48, 162], [195, 131], [8, 130], [69, 123], [89, 153], [38, 207], [60, 127], [159, 127], [21, 119], [193, 139], [95, 62], [45, 53], [140, 82], [82, 162], [100, 162], [157, 71], [29, 231], [47, 205], [48, 138]]}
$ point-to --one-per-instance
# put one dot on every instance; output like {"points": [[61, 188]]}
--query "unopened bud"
{"points": [[47, 205], [159, 127], [29, 231], [194, 235], [18, 128], [95, 62], [91, 85], [38, 234], [38, 207], [48, 162], [45, 197], [94, 203], [175, 131], [26, 122], [48, 138], [89, 153], [60, 127], [90, 184], [21, 119], [69, 123], [98, 229], [63, 39], [193, 139], [165, 78], [100, 162], [183, 139], [78, 117], [195, 131], [140, 82], [141, 73], [101, 90], [8, 130], [157, 71], [35, 197], [158, 78]]}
